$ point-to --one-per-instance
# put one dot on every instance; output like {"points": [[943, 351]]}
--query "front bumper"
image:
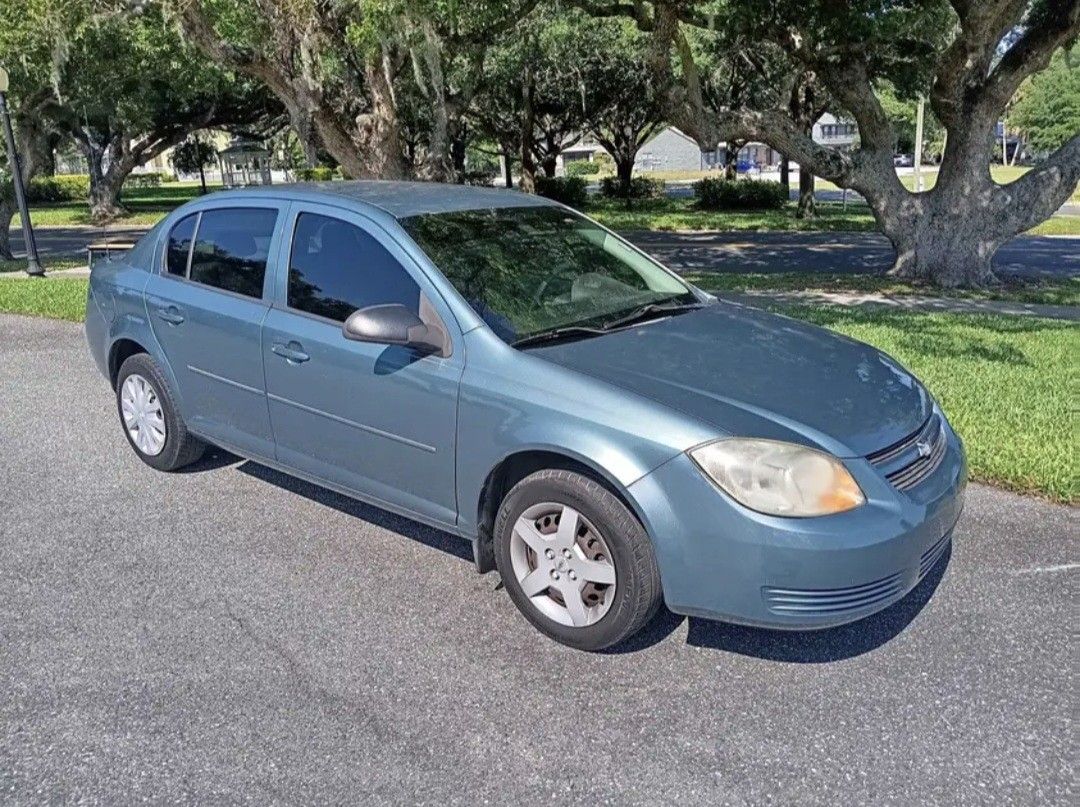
{"points": [[722, 561]]}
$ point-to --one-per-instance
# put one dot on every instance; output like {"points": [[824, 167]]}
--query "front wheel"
{"points": [[575, 560], [148, 415]]}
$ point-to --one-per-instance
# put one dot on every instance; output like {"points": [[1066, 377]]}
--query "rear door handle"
{"points": [[171, 314], [292, 352]]}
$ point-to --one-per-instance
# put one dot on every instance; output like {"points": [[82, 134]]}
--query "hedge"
{"points": [[149, 179], [320, 173], [739, 194], [582, 168], [640, 188], [568, 190], [59, 188]]}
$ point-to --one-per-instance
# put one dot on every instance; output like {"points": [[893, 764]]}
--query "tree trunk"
{"points": [[528, 134], [785, 174], [731, 164], [7, 213], [527, 182], [943, 245], [807, 207], [107, 174], [550, 165], [624, 170], [508, 166], [105, 197]]}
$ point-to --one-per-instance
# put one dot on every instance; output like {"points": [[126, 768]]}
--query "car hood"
{"points": [[754, 374]]}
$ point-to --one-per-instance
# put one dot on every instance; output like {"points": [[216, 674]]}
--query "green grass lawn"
{"points": [[144, 206], [1046, 292], [1002, 174], [683, 214], [57, 297], [1007, 383], [50, 264]]}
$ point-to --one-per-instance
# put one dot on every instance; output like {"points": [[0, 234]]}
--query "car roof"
{"points": [[398, 199]]}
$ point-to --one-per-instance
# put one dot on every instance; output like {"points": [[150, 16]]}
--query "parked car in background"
{"points": [[494, 364], [903, 160]]}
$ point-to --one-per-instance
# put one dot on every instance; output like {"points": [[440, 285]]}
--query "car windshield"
{"points": [[528, 271]]}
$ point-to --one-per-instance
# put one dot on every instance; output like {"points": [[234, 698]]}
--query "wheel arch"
{"points": [[119, 352], [514, 467]]}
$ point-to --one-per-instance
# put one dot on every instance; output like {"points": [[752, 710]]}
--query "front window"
{"points": [[533, 270]]}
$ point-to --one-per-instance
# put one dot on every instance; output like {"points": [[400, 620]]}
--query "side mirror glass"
{"points": [[392, 324]]}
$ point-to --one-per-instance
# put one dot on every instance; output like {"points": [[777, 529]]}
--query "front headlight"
{"points": [[780, 479]]}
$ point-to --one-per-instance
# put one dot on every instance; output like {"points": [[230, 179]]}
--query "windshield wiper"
{"points": [[648, 311], [557, 334]]}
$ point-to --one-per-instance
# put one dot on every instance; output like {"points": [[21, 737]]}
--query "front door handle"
{"points": [[171, 314], [292, 352]]}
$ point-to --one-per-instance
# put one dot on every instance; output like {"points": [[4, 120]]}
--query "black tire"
{"points": [[637, 590], [181, 447]]}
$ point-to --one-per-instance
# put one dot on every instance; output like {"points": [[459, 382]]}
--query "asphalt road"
{"points": [[230, 635], [764, 252]]}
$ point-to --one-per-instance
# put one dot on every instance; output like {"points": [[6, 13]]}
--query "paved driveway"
{"points": [[233, 635]]}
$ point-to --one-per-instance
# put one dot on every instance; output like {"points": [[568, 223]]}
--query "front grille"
{"points": [[932, 555], [795, 602], [907, 463]]}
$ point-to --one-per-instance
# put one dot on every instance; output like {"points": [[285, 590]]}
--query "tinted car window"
{"points": [[176, 255], [526, 270], [231, 249], [336, 268]]}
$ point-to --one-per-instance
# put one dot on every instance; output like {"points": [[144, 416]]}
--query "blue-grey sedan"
{"points": [[494, 364]]}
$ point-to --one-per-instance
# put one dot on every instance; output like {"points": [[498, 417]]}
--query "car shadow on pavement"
{"points": [[414, 530], [801, 647]]}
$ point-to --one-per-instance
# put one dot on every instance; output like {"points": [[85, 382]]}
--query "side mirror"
{"points": [[393, 324]]}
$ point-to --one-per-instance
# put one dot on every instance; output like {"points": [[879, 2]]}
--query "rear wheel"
{"points": [[575, 560], [149, 417]]}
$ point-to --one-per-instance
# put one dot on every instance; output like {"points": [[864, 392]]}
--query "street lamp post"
{"points": [[33, 265]]}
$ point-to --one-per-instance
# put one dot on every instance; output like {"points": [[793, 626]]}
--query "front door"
{"points": [[377, 419], [206, 307]]}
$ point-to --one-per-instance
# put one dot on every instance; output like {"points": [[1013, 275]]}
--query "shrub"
{"points": [[59, 188], [603, 161], [484, 176], [640, 188], [150, 179], [320, 173], [568, 190], [582, 168], [739, 194]]}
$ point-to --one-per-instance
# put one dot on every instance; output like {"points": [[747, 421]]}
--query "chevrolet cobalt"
{"points": [[606, 435]]}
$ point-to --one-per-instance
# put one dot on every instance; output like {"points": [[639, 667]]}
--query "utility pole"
{"points": [[33, 265], [918, 145]]}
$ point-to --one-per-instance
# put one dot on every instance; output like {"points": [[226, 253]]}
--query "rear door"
{"points": [[206, 306], [377, 419]]}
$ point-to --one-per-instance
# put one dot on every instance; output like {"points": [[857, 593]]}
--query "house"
{"points": [[674, 150]]}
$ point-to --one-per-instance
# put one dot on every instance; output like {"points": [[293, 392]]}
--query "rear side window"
{"points": [[179, 246], [336, 268], [231, 248]]}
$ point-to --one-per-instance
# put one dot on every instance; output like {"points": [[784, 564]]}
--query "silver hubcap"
{"points": [[143, 418], [563, 564]]}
